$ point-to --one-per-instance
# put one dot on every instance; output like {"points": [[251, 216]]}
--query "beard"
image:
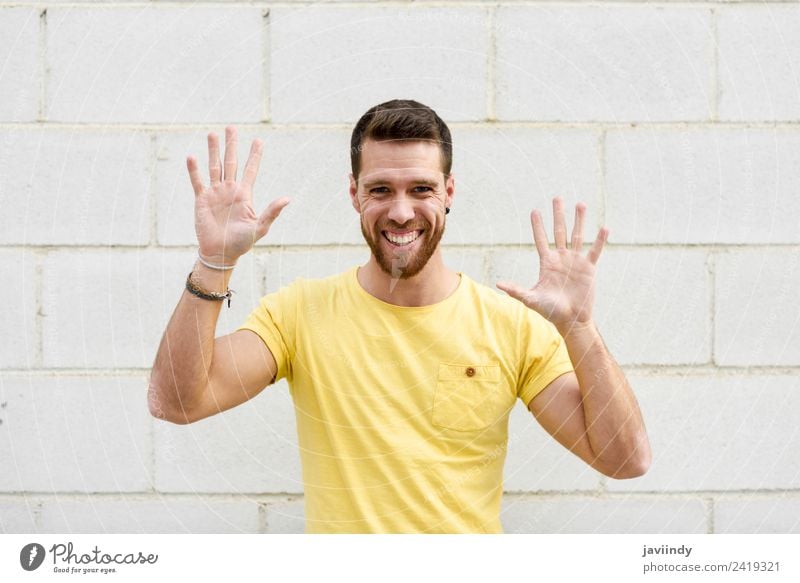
{"points": [[400, 264]]}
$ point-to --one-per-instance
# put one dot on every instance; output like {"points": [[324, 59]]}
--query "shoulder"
{"points": [[323, 284], [489, 298], [505, 309], [322, 287], [302, 294]]}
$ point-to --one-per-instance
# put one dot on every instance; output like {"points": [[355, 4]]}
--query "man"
{"points": [[402, 371]]}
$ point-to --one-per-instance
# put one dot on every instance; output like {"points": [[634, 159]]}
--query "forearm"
{"points": [[614, 426], [183, 360]]}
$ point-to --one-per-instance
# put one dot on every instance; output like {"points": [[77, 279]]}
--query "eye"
{"points": [[379, 189], [424, 188]]}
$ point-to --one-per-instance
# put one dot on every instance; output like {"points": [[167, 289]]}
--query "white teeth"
{"points": [[402, 240]]}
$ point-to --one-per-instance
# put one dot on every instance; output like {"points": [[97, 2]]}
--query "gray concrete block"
{"points": [[601, 515], [756, 319], [603, 63], [74, 434], [718, 433], [354, 58], [155, 64], [140, 515], [251, 448], [75, 187], [701, 186]]}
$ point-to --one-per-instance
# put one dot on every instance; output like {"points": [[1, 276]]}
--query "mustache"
{"points": [[396, 227]]}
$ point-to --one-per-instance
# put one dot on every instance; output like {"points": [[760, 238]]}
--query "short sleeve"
{"points": [[274, 320], [544, 355]]}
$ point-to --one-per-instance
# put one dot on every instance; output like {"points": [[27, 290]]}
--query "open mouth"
{"points": [[402, 239]]}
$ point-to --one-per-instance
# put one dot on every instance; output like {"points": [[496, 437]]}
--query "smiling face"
{"points": [[401, 195]]}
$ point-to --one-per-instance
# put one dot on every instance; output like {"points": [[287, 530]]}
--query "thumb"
{"points": [[270, 214], [513, 290]]}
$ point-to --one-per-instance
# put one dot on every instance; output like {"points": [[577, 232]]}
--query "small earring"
{"points": [[447, 211]]}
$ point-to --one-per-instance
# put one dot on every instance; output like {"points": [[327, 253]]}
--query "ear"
{"points": [[354, 194], [450, 189]]}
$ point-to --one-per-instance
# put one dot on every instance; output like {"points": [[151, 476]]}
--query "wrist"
{"points": [[213, 280], [575, 329], [216, 261]]}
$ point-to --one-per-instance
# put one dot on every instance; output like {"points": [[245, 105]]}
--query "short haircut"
{"points": [[401, 119]]}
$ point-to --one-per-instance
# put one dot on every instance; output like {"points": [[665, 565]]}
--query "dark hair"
{"points": [[401, 119]]}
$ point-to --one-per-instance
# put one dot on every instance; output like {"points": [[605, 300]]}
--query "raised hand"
{"points": [[225, 222], [564, 293]]}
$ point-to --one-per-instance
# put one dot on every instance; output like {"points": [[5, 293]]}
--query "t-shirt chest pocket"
{"points": [[468, 396]]}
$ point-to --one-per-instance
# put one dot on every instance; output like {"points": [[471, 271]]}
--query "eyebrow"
{"points": [[423, 181]]}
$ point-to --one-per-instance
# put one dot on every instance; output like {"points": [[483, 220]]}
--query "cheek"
{"points": [[434, 210], [370, 214]]}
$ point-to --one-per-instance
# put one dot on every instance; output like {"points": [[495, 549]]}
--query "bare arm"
{"points": [[592, 412], [194, 375]]}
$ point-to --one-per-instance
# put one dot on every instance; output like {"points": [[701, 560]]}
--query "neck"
{"points": [[431, 285]]}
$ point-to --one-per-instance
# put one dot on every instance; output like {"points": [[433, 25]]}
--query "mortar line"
{"points": [[333, 126], [601, 154], [486, 267], [711, 517], [263, 524], [43, 68], [274, 497], [712, 292], [38, 325], [672, 494], [153, 465], [715, 95], [266, 65], [152, 197], [491, 56], [405, 3]]}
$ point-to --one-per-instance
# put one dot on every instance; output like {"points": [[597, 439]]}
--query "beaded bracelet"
{"points": [[205, 294], [220, 267]]}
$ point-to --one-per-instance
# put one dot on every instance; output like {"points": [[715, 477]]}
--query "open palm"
{"points": [[564, 293], [226, 223]]}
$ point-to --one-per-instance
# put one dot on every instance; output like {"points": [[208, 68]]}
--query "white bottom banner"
{"points": [[120, 558]]}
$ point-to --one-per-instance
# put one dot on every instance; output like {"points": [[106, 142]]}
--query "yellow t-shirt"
{"points": [[402, 412]]}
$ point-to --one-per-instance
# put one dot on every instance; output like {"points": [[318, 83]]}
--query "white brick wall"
{"points": [[611, 63], [703, 186], [21, 73], [18, 515], [675, 121], [328, 62], [249, 449], [756, 315], [502, 173], [75, 434], [536, 463], [119, 302], [19, 342], [718, 433], [155, 64], [604, 514], [759, 79], [75, 186], [198, 514], [285, 516], [761, 514]]}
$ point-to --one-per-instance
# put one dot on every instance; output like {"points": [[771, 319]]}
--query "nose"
{"points": [[401, 210]]}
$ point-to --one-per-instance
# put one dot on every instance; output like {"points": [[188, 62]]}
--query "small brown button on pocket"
{"points": [[470, 397]]}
